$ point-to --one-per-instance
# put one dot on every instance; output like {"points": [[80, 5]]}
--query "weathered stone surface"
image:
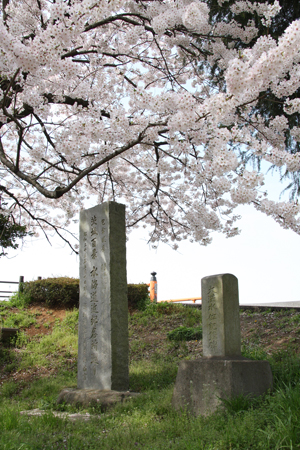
{"points": [[104, 398], [103, 309], [61, 415], [201, 384], [220, 316]]}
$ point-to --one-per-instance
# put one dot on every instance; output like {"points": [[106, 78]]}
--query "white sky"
{"points": [[264, 258]]}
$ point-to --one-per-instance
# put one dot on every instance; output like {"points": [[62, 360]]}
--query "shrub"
{"points": [[61, 291], [185, 334], [138, 296], [64, 291]]}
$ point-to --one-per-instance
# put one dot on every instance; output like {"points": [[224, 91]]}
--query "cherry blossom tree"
{"points": [[268, 105], [116, 100]]}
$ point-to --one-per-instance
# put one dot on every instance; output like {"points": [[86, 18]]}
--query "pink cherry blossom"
{"points": [[107, 101]]}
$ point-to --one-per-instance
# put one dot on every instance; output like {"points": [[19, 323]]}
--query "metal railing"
{"points": [[19, 283], [153, 293], [193, 299]]}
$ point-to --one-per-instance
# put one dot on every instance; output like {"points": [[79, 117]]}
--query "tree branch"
{"points": [[60, 191], [41, 220]]}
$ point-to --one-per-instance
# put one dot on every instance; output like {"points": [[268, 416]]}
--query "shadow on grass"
{"points": [[150, 376]]}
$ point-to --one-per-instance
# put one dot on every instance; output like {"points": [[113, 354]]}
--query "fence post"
{"points": [[21, 281]]}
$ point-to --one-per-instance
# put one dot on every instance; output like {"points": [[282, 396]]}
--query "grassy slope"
{"points": [[37, 368]]}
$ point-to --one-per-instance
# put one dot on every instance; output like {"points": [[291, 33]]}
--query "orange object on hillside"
{"points": [[153, 288]]}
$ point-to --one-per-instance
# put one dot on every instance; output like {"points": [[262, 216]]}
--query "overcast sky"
{"points": [[264, 258]]}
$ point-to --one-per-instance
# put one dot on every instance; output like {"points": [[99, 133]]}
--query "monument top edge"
{"points": [[104, 204], [219, 275]]}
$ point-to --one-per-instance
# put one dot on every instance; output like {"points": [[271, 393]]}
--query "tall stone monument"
{"points": [[103, 307], [222, 372], [103, 310]]}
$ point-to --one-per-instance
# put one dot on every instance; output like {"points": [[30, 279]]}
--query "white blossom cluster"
{"points": [[266, 10], [106, 101], [286, 214], [292, 106], [193, 15]]}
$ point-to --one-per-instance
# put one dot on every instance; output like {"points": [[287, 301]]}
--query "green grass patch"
{"points": [[163, 311], [55, 348], [151, 375], [185, 334], [19, 300], [21, 319]]}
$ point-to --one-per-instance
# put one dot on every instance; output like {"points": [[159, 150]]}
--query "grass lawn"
{"points": [[42, 361]]}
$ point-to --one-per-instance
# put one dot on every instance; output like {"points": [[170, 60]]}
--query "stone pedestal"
{"points": [[201, 384], [100, 397], [222, 373]]}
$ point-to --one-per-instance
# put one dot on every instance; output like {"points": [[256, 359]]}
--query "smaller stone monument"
{"points": [[220, 316], [222, 372]]}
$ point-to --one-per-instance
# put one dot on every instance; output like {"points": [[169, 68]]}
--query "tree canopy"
{"points": [[9, 233], [156, 104]]}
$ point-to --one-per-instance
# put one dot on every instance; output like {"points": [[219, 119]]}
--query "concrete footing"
{"points": [[7, 333], [201, 384], [102, 397]]}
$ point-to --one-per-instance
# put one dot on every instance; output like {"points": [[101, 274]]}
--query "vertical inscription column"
{"points": [[94, 287], [98, 281], [212, 324], [220, 316], [84, 303]]}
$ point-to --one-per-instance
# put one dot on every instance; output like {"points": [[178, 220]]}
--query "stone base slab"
{"points": [[85, 397], [61, 415], [201, 384]]}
